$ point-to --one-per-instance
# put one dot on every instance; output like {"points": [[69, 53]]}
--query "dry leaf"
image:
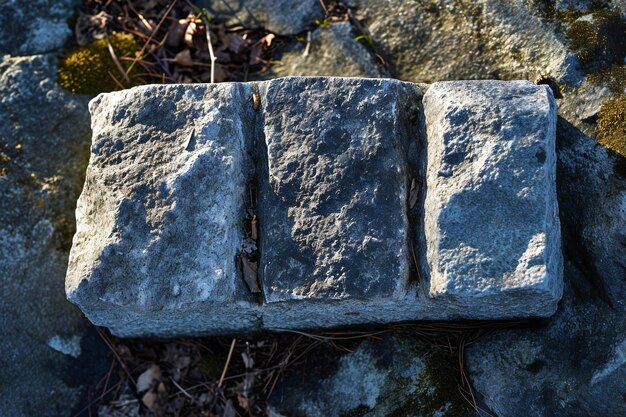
{"points": [[247, 360], [250, 273], [267, 39], [89, 28], [254, 229], [183, 58], [147, 379], [229, 410], [150, 400]]}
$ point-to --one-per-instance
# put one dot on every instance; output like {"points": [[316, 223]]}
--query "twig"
{"points": [[181, 389], [208, 39], [230, 354], [119, 84], [167, 12], [308, 45], [417, 268], [117, 62]]}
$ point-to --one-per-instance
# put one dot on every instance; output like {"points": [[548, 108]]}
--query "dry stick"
{"points": [[324, 7], [308, 45], [208, 39], [117, 62], [230, 354], [119, 84], [181, 389], [158, 26], [417, 268], [143, 19], [122, 364]]}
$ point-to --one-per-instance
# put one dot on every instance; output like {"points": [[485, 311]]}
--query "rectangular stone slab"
{"points": [[333, 197], [160, 220], [491, 221]]}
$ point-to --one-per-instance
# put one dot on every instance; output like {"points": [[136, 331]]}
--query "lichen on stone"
{"points": [[598, 39], [612, 124], [90, 69]]}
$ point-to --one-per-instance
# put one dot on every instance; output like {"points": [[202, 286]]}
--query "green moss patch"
{"points": [[599, 41], [612, 124], [90, 69]]}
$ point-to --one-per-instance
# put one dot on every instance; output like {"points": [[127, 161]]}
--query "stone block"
{"points": [[333, 199], [491, 221], [161, 218]]}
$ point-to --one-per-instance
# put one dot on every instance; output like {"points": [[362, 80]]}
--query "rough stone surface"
{"points": [[491, 223], [333, 51], [48, 351], [34, 27], [160, 217], [160, 214], [332, 208], [283, 17], [396, 375], [465, 39], [573, 363]]}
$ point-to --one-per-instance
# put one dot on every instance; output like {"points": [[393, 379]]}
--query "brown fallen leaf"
{"points": [[150, 400], [254, 233], [183, 58], [249, 269]]}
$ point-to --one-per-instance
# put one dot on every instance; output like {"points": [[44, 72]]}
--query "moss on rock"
{"points": [[612, 124], [598, 39], [90, 69]]}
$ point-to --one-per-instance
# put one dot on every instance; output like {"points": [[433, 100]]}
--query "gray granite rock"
{"points": [[491, 223], [283, 17], [34, 27], [332, 208], [332, 51], [396, 375], [159, 217], [49, 353], [429, 41], [574, 363]]}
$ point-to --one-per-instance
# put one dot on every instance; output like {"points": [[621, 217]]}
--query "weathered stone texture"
{"points": [[332, 206], [284, 17], [48, 351], [159, 218], [491, 220]]}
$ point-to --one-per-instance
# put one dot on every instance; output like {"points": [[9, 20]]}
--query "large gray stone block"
{"points": [[491, 220], [333, 201], [161, 218]]}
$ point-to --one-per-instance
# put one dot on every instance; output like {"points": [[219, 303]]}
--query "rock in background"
{"points": [[49, 352], [284, 17]]}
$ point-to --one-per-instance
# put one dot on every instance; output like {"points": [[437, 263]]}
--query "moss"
{"points": [[599, 42], [437, 385], [89, 69], [612, 124], [67, 189], [614, 77]]}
